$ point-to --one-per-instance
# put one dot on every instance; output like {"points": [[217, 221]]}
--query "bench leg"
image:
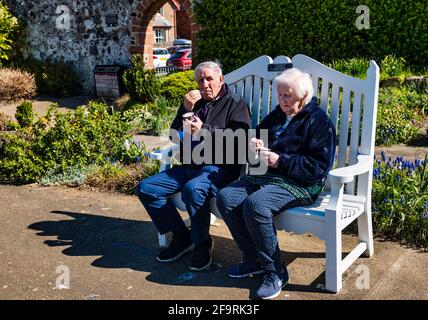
{"points": [[333, 255], [365, 232]]}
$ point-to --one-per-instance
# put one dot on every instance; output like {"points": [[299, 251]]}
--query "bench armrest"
{"points": [[347, 174], [163, 154]]}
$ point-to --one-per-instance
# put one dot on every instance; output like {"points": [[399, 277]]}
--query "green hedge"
{"points": [[235, 32]]}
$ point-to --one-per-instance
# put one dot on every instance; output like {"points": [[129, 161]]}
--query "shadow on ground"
{"points": [[123, 243]]}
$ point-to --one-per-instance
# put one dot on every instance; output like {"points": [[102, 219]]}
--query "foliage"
{"points": [[176, 85], [114, 176], [24, 114], [4, 121], [53, 77], [72, 176], [16, 84], [150, 118], [62, 140], [400, 199], [400, 110], [392, 66], [142, 84], [9, 26], [355, 67], [235, 32]]}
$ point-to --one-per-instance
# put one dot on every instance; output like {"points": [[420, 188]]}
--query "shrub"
{"points": [[355, 67], [53, 77], [392, 66], [176, 85], [117, 177], [4, 121], [24, 114], [397, 116], [141, 84], [235, 32], [16, 84], [149, 118], [72, 176], [62, 140], [8, 27], [400, 200]]}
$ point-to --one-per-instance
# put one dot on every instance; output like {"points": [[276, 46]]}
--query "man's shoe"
{"points": [[272, 285], [202, 256], [175, 251], [245, 269]]}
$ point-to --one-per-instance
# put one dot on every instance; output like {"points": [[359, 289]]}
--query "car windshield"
{"points": [[178, 54], [160, 51]]}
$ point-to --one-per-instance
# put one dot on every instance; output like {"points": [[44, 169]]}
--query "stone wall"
{"points": [[76, 31]]}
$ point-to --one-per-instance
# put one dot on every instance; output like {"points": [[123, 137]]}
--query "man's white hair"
{"points": [[301, 83], [209, 65]]}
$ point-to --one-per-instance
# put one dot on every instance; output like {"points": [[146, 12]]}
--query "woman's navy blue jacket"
{"points": [[306, 148]]}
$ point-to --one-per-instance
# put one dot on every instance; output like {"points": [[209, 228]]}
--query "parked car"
{"points": [[182, 42], [160, 56], [181, 59]]}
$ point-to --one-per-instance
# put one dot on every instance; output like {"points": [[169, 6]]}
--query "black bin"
{"points": [[108, 80]]}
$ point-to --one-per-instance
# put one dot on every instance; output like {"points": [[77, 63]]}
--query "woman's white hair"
{"points": [[301, 83], [209, 65]]}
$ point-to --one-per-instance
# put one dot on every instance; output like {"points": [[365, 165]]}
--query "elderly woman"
{"points": [[300, 152]]}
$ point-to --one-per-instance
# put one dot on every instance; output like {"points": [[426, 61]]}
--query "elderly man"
{"points": [[215, 108]]}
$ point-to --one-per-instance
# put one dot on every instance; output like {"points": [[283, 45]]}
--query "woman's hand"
{"points": [[270, 158], [255, 144]]}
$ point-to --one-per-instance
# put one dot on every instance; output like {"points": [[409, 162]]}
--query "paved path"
{"points": [[108, 243]]}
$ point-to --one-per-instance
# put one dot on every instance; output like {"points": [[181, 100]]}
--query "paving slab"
{"points": [[107, 244]]}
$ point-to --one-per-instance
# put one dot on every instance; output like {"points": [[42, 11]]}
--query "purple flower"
{"points": [[382, 154]]}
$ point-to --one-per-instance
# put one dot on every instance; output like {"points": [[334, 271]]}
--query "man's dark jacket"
{"points": [[307, 146], [227, 112]]}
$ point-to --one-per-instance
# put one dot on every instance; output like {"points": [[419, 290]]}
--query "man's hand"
{"points": [[190, 99], [270, 158], [195, 125]]}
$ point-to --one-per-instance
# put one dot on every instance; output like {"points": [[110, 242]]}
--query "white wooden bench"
{"points": [[347, 194]]}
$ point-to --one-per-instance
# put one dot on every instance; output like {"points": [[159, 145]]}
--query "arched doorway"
{"points": [[142, 28]]}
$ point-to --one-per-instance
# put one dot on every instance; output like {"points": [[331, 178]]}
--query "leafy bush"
{"points": [[392, 66], [24, 114], [4, 121], [399, 112], [355, 67], [400, 200], [176, 85], [149, 118], [53, 77], [142, 84], [62, 140], [8, 27], [16, 84], [72, 176], [117, 177], [235, 32]]}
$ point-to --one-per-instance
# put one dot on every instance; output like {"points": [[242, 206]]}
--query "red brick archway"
{"points": [[142, 28]]}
